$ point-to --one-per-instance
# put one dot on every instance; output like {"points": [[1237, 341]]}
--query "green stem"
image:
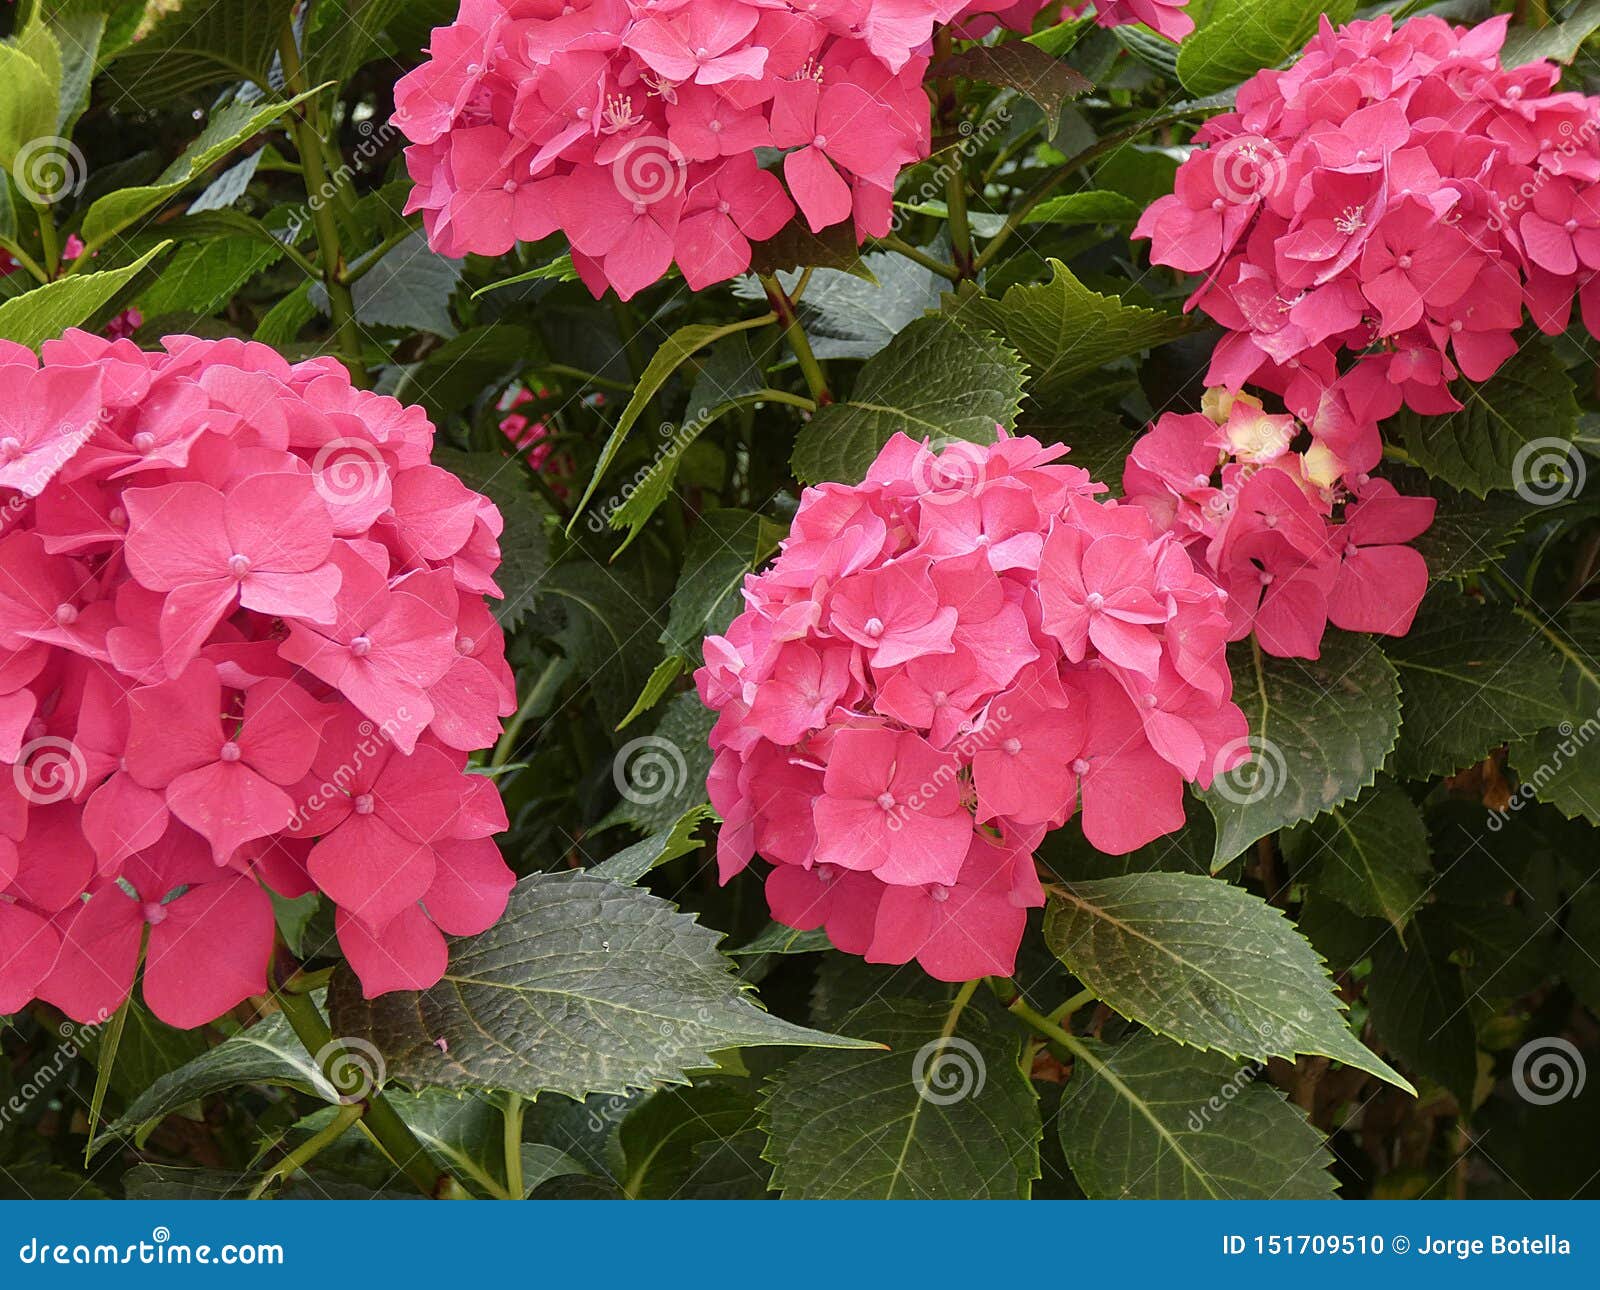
{"points": [[48, 241], [918, 256], [1077, 1001], [341, 304], [380, 1119], [588, 378], [1050, 1030], [302, 1155], [795, 334], [24, 259], [552, 676], [514, 1109], [955, 197]]}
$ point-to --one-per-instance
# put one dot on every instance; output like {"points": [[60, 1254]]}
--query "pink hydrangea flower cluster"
{"points": [[1293, 546], [943, 662], [1398, 195], [243, 647], [632, 125]]}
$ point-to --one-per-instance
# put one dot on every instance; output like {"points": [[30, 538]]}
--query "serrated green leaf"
{"points": [[265, 1053], [1371, 855], [203, 43], [1495, 441], [584, 986], [1234, 39], [1418, 1010], [1557, 764], [938, 380], [1558, 40], [1148, 1119], [203, 276], [1206, 963], [1472, 676], [933, 1117], [632, 863], [697, 1143], [409, 288], [846, 316], [1319, 731], [1063, 330], [1468, 533], [45, 312]]}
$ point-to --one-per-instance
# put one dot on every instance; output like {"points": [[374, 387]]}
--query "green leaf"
{"points": [[409, 288], [1156, 52], [585, 986], [938, 380], [45, 312], [1558, 40], [558, 270], [795, 246], [1064, 331], [935, 1116], [1091, 207], [609, 632], [28, 111], [203, 276], [456, 375], [847, 316], [672, 354], [227, 130], [1510, 431], [730, 378], [1473, 677], [1557, 765], [1046, 80], [698, 1143], [1370, 855], [1468, 533], [346, 35], [1147, 1119], [203, 43], [1206, 963], [724, 547], [655, 689], [775, 938], [1319, 731], [266, 1053], [662, 775], [632, 863], [34, 1180], [1418, 1010], [525, 542], [1234, 39]]}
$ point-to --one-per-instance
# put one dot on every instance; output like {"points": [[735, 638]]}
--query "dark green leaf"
{"points": [[1234, 39], [1370, 855]]}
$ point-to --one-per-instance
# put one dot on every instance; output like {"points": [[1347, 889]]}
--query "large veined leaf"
{"points": [[938, 380], [265, 1053], [227, 129], [45, 312], [633, 862], [202, 43], [1319, 731], [1468, 533], [848, 316], [1559, 764], [1510, 433], [1063, 330], [1149, 1119], [1419, 1009], [1234, 39], [1205, 963], [935, 1116], [204, 275], [1473, 676], [585, 986], [1558, 40], [1371, 855], [696, 1143]]}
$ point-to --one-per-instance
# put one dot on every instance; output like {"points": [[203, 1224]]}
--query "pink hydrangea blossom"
{"points": [[1372, 222], [632, 125], [243, 649], [1294, 544], [945, 661]]}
